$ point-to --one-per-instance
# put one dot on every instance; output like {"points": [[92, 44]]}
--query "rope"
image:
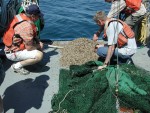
{"points": [[117, 105], [117, 75], [115, 94], [64, 111]]}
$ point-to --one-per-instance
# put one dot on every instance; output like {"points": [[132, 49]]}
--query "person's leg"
{"points": [[30, 57], [25, 58], [121, 58], [102, 53]]}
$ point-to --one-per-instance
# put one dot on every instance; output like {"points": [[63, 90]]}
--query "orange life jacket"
{"points": [[9, 36], [123, 35], [132, 6]]}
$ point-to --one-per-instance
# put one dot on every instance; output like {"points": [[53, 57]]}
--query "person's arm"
{"points": [[97, 34], [38, 44], [116, 8], [25, 30], [110, 52], [28, 39]]}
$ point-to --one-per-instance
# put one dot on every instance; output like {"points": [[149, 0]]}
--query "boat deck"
{"points": [[33, 93]]}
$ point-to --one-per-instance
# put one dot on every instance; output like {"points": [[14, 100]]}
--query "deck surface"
{"points": [[33, 93]]}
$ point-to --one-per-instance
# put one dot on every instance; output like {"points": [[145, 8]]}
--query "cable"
{"points": [[116, 32]]}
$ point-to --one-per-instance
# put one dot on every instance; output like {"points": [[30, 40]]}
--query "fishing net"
{"points": [[83, 89]]}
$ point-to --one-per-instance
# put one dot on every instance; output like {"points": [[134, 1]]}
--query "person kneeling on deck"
{"points": [[21, 42], [121, 40], [129, 11]]}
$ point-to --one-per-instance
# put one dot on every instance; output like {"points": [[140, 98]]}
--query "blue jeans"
{"points": [[102, 52]]}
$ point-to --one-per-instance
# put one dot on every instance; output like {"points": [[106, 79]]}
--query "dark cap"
{"points": [[33, 9]]}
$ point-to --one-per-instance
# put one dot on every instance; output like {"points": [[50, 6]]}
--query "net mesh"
{"points": [[82, 90]]}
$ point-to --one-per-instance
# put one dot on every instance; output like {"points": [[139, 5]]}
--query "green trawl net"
{"points": [[82, 90]]}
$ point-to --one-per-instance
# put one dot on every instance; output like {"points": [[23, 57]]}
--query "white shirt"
{"points": [[112, 32]]}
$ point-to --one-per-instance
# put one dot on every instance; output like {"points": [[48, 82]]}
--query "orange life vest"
{"points": [[132, 6], [10, 36], [123, 35]]}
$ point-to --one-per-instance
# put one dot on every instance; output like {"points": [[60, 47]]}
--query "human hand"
{"points": [[102, 67], [97, 46], [104, 35], [41, 45], [95, 37]]}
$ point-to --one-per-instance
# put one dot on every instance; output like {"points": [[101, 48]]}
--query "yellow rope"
{"points": [[143, 31]]}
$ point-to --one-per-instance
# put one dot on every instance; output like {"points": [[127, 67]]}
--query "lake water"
{"points": [[70, 19]]}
